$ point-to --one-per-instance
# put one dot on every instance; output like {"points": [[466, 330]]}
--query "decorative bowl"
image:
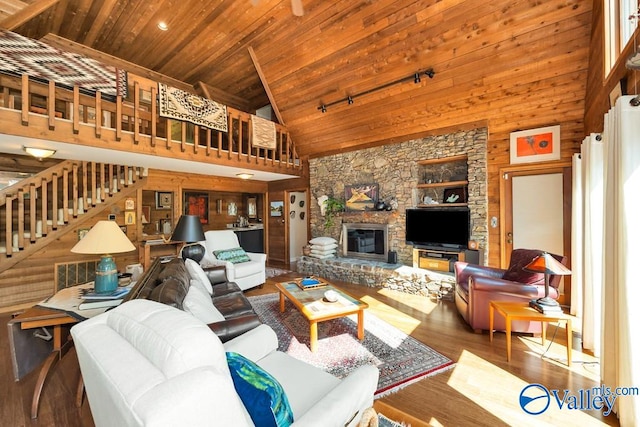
{"points": [[331, 295]]}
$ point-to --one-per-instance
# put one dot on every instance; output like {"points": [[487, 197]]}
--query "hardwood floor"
{"points": [[483, 389]]}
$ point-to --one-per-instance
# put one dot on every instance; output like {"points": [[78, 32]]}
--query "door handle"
{"points": [[510, 237]]}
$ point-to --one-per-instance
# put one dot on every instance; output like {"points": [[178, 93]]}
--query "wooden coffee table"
{"points": [[521, 311], [315, 308]]}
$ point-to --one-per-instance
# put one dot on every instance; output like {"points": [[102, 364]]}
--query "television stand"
{"points": [[442, 259]]}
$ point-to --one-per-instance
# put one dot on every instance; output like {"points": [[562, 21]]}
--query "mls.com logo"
{"points": [[535, 399]]}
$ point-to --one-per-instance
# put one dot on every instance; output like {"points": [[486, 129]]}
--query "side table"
{"points": [[521, 311]]}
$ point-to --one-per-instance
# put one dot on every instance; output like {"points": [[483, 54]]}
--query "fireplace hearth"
{"points": [[365, 241]]}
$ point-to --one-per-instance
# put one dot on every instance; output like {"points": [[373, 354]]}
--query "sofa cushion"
{"points": [[261, 394], [233, 255], [175, 269], [171, 292], [198, 303], [197, 273], [520, 258]]}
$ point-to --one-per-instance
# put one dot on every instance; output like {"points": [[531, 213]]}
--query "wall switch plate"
{"points": [[494, 222]]}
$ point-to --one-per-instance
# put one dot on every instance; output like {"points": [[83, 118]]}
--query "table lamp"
{"points": [[105, 238], [189, 230], [548, 265]]}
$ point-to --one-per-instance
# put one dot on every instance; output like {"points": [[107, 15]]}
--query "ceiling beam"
{"points": [[265, 84], [71, 46], [26, 14]]}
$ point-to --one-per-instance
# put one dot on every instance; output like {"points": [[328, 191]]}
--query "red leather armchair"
{"points": [[477, 285]]}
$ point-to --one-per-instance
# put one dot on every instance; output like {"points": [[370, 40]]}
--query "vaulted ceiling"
{"points": [[505, 64]]}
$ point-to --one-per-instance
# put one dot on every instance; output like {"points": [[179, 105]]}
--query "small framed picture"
{"points": [[82, 232], [455, 195], [164, 199], [360, 197], [146, 214], [535, 145], [123, 228], [130, 218], [277, 208], [129, 204]]}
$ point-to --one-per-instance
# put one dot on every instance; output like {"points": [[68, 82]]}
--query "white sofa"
{"points": [[148, 364], [247, 275]]}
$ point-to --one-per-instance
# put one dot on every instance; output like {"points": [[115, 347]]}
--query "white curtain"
{"points": [[577, 237], [591, 253], [620, 359]]}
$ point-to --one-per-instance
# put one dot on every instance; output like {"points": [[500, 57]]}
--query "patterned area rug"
{"points": [[180, 105], [21, 55], [401, 359], [273, 271]]}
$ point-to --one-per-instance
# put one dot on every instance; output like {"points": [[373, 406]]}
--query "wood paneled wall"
{"points": [[599, 87]]}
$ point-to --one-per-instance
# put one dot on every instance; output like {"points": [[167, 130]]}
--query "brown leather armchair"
{"points": [[477, 285]]}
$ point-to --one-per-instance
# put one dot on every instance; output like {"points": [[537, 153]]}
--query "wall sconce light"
{"points": [[244, 175], [415, 77], [39, 153]]}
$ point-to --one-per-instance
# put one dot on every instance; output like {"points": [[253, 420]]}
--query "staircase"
{"points": [[41, 209]]}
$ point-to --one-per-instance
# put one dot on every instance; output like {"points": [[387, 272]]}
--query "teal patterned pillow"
{"points": [[235, 255], [261, 394]]}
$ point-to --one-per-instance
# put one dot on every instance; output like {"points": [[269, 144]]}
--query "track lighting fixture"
{"points": [[415, 77]]}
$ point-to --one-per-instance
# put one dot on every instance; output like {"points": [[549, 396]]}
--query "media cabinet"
{"points": [[442, 260]]}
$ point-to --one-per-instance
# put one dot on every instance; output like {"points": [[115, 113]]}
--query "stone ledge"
{"points": [[377, 274]]}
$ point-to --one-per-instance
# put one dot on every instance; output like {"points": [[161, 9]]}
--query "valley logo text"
{"points": [[536, 398]]}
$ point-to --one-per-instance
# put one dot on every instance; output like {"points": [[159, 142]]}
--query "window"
{"points": [[621, 20]]}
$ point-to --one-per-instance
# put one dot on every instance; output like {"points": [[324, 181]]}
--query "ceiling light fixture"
{"points": [[163, 26], [39, 153], [244, 175], [415, 77]]}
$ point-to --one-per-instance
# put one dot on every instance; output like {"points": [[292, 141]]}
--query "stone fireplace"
{"points": [[365, 241]]}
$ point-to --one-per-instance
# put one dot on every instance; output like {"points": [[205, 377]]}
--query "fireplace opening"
{"points": [[365, 241]]}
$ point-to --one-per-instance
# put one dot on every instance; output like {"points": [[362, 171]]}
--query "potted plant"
{"points": [[332, 207]]}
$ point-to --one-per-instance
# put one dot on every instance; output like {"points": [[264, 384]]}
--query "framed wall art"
{"points": [[455, 195], [197, 204], [164, 199], [276, 208], [360, 197], [535, 145]]}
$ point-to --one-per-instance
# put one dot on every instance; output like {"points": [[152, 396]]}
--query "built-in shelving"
{"points": [[444, 184], [438, 168]]}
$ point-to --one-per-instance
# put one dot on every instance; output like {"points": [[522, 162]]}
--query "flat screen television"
{"points": [[438, 228]]}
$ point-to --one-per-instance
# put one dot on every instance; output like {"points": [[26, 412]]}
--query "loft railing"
{"points": [[134, 124], [43, 204]]}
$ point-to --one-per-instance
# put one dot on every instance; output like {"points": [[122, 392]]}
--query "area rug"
{"points": [[180, 105], [21, 55], [400, 358], [272, 271]]}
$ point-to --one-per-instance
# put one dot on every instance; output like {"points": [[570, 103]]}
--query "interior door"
{"points": [[277, 211], [536, 211]]}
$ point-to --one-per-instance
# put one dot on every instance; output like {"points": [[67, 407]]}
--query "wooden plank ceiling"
{"points": [[508, 64]]}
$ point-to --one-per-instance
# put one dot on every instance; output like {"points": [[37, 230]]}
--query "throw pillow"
{"points": [[323, 240], [262, 395], [196, 272], [324, 247], [520, 258], [235, 255], [198, 304], [320, 252], [331, 255]]}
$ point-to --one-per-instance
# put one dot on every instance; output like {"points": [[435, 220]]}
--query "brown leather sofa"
{"points": [[477, 285], [169, 283]]}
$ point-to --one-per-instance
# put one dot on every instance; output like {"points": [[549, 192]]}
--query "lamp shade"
{"points": [[105, 237], [547, 264], [189, 229]]}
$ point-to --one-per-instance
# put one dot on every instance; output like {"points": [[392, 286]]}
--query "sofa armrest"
{"points": [[231, 328], [464, 270], [258, 257], [345, 403], [505, 287], [254, 344]]}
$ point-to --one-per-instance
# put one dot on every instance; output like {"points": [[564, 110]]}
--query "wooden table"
{"points": [[39, 317], [144, 250], [522, 311], [315, 308]]}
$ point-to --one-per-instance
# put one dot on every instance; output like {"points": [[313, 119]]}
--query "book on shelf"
{"points": [[89, 304]]}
